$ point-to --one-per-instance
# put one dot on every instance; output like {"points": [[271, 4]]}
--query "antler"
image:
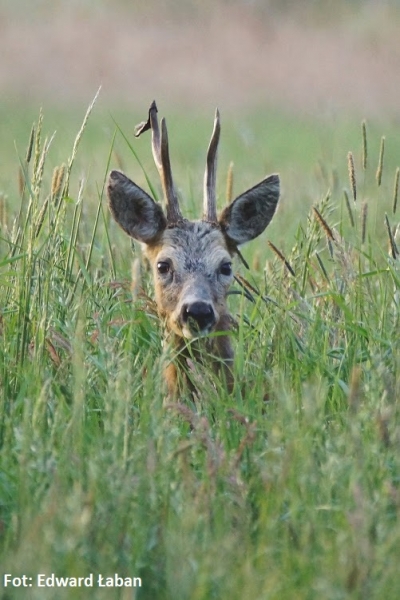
{"points": [[161, 158], [210, 199]]}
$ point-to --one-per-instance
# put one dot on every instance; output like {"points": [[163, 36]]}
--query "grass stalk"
{"points": [[396, 189], [379, 169], [101, 473], [352, 175]]}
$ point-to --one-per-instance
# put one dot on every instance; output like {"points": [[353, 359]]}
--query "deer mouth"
{"points": [[197, 319]]}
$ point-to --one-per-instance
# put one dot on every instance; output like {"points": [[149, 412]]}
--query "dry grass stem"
{"points": [[352, 175], [282, 258], [324, 224], [245, 292], [242, 281], [380, 161]]}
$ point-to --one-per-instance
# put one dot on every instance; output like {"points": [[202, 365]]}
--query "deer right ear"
{"points": [[134, 210], [250, 213]]}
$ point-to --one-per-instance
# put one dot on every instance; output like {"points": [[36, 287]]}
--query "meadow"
{"points": [[289, 487]]}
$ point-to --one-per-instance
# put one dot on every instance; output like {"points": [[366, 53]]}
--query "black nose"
{"points": [[199, 316]]}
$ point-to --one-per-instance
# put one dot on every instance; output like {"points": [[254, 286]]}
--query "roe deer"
{"points": [[191, 260]]}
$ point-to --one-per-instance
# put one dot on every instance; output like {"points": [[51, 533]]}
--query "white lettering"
{"points": [[118, 581], [53, 581], [88, 581], [23, 581]]}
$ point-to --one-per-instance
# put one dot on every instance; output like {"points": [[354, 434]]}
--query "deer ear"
{"points": [[134, 210], [250, 213]]}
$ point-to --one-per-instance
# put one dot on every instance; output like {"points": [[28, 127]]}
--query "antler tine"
{"points": [[161, 158], [155, 136], [173, 211], [210, 198]]}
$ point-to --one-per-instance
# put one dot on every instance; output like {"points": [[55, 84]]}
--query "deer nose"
{"points": [[199, 316]]}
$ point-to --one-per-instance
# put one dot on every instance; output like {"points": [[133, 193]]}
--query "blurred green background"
{"points": [[293, 81]]}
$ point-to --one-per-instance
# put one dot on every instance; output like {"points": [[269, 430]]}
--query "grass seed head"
{"points": [[21, 182], [40, 219], [364, 146], [380, 161], [352, 175], [30, 145], [57, 182], [324, 224], [37, 141], [364, 214], [282, 258], [3, 211], [396, 189]]}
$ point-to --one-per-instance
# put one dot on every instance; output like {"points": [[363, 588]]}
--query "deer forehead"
{"points": [[192, 247]]}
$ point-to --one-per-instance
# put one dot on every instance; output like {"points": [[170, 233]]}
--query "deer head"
{"points": [[191, 260]]}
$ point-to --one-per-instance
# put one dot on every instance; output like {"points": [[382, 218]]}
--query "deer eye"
{"points": [[226, 269], [163, 267]]}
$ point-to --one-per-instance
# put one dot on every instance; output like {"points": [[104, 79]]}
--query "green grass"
{"points": [[288, 488]]}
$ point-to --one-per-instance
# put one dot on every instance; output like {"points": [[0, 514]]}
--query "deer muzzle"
{"points": [[197, 318]]}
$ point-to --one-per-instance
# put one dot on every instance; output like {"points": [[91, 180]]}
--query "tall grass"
{"points": [[288, 488]]}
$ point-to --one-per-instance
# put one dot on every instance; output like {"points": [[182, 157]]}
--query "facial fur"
{"points": [[191, 263]]}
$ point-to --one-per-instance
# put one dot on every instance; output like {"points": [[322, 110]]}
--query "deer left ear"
{"points": [[134, 210], [250, 213]]}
